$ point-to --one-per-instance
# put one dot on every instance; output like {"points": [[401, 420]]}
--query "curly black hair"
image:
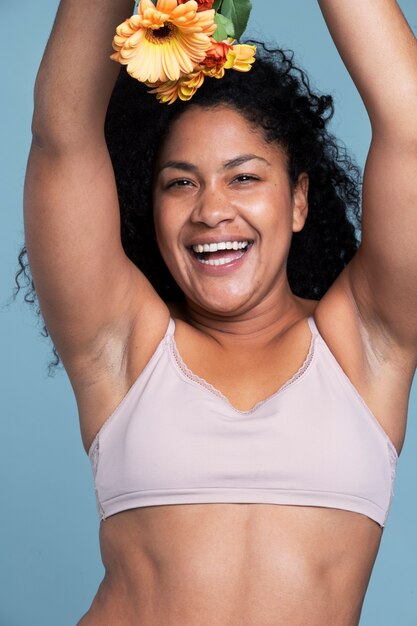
{"points": [[276, 97]]}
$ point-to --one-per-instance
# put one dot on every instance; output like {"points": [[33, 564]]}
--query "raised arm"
{"points": [[87, 288], [380, 53]]}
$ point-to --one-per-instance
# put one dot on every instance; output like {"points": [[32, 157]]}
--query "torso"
{"points": [[244, 564], [234, 565]]}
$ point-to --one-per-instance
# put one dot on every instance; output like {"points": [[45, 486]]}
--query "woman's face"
{"points": [[224, 210]]}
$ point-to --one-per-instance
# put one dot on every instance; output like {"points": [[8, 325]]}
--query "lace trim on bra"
{"points": [[203, 383], [393, 458], [94, 454]]}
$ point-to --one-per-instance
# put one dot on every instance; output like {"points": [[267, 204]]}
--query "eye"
{"points": [[245, 178], [179, 182]]}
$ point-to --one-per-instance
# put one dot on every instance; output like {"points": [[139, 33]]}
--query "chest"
{"points": [[175, 439], [245, 376]]}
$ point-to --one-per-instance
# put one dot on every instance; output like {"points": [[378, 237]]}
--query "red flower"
{"points": [[216, 55], [203, 5]]}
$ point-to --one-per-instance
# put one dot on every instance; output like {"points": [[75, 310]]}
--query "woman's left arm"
{"points": [[380, 53]]}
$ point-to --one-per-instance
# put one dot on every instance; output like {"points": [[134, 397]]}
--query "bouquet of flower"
{"points": [[173, 45]]}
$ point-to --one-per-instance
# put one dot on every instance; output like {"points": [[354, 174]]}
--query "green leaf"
{"points": [[217, 4], [224, 29], [238, 12]]}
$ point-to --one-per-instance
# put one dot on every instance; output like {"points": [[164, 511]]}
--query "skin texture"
{"points": [[224, 564], [221, 201]]}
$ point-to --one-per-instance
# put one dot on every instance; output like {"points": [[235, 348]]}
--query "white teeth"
{"points": [[222, 245], [218, 261]]}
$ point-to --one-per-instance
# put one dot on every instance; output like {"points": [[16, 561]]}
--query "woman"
{"points": [[285, 435]]}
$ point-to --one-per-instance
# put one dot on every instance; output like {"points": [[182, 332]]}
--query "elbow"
{"points": [[63, 115], [63, 132], [62, 120], [45, 137], [400, 131], [48, 127], [40, 137], [396, 118]]}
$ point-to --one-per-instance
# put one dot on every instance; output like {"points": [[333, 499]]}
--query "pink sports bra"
{"points": [[175, 439]]}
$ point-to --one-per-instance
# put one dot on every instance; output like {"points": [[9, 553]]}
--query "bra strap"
{"points": [[313, 326], [171, 328]]}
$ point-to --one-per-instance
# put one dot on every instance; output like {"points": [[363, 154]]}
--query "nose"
{"points": [[212, 208]]}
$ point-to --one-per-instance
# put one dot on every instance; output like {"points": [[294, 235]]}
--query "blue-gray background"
{"points": [[49, 554]]}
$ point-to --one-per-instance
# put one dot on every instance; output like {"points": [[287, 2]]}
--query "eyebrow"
{"points": [[189, 167], [240, 160]]}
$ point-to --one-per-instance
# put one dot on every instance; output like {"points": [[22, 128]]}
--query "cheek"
{"points": [[162, 221], [272, 212], [167, 228], [161, 232], [157, 223]]}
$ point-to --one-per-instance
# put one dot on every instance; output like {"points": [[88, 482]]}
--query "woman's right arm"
{"points": [[87, 288]]}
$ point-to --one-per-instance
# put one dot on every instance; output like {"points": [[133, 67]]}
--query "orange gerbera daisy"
{"points": [[239, 57], [164, 42]]}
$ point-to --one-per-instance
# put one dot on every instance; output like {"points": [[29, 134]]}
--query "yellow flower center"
{"points": [[161, 35]]}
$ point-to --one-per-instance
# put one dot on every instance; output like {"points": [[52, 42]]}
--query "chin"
{"points": [[222, 304]]}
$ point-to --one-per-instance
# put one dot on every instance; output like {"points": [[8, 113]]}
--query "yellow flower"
{"points": [[213, 72], [240, 58], [184, 88], [164, 42]]}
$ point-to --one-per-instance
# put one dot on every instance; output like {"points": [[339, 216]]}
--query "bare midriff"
{"points": [[234, 565]]}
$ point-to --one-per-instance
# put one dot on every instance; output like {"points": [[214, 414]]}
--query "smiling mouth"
{"points": [[221, 253]]}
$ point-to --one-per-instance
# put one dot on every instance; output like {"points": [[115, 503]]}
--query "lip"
{"points": [[220, 270]]}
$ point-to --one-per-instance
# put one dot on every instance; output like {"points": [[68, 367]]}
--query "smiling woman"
{"points": [[275, 99], [240, 194], [241, 365]]}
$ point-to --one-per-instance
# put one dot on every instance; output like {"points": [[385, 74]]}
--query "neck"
{"points": [[260, 324]]}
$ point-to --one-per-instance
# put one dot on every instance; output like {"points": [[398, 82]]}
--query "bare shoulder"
{"points": [[380, 369]]}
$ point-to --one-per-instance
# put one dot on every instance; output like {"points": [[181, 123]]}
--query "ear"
{"points": [[300, 202]]}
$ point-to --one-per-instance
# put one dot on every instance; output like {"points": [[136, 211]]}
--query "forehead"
{"points": [[216, 133]]}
